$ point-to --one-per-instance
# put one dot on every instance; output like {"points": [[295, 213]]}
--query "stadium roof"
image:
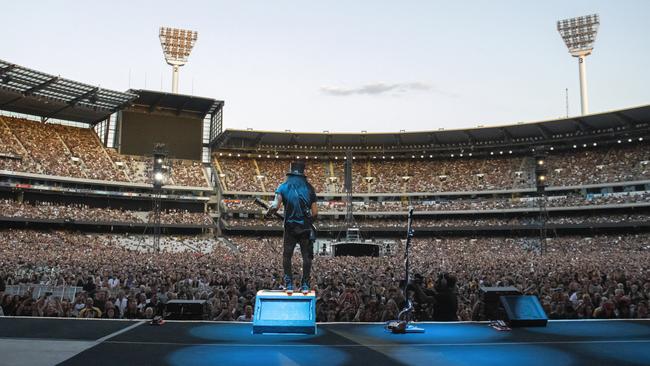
{"points": [[608, 123], [153, 100], [28, 91]]}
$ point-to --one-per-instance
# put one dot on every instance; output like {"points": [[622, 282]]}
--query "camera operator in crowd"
{"points": [[442, 296]]}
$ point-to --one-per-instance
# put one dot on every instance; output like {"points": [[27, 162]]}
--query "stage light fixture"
{"points": [[579, 35], [177, 44]]}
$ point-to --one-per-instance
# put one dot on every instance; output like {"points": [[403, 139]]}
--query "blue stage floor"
{"points": [[561, 343]]}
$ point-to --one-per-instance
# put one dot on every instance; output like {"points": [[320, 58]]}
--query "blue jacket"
{"points": [[297, 197]]}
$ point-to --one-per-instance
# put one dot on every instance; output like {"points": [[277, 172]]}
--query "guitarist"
{"points": [[300, 210]]}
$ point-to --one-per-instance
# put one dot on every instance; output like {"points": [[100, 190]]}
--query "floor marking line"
{"points": [[382, 344], [123, 330]]}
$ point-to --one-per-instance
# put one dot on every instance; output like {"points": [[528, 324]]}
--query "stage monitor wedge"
{"points": [[524, 311]]}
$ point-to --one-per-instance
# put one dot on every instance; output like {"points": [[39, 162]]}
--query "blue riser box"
{"points": [[279, 313]]}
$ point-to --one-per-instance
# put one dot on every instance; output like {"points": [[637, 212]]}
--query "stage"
{"points": [[39, 341]]}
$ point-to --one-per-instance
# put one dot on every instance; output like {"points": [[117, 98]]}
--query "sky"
{"points": [[343, 65]]}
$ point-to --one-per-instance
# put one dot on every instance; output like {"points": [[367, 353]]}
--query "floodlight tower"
{"points": [[177, 45], [579, 35]]}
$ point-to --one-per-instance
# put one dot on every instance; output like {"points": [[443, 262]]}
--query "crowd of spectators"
{"points": [[168, 243], [615, 164], [85, 213], [237, 174], [44, 150], [76, 212], [251, 174], [184, 217], [419, 174], [84, 144], [52, 149], [450, 222], [59, 150], [483, 203], [576, 278]]}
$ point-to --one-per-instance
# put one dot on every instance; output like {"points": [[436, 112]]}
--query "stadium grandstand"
{"points": [[114, 204], [481, 180], [61, 164]]}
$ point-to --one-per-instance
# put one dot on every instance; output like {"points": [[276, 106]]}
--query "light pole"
{"points": [[159, 178], [540, 183], [579, 35], [177, 45]]}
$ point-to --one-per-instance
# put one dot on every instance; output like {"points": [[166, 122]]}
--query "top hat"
{"points": [[297, 168]]}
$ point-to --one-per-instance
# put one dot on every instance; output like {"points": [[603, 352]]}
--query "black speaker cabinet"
{"points": [[492, 309], [186, 309]]}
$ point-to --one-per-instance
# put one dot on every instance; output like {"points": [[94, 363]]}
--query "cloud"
{"points": [[381, 88]]}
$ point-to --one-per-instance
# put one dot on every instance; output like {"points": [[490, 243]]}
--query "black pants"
{"points": [[294, 234]]}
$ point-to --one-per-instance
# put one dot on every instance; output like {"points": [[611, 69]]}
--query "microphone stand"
{"points": [[409, 236], [401, 325]]}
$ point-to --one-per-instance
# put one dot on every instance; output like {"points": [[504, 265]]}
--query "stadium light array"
{"points": [[579, 35], [177, 45]]}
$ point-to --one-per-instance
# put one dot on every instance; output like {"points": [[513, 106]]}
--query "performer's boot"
{"points": [[305, 287], [288, 284]]}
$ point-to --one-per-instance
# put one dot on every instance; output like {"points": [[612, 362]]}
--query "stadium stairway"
{"points": [[144, 216], [227, 243], [259, 174], [220, 176]]}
